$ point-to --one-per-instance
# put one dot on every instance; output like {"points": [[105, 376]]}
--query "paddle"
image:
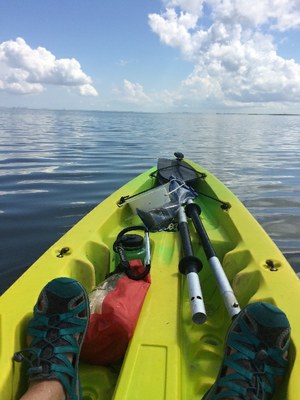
{"points": [[193, 211], [175, 169], [190, 266]]}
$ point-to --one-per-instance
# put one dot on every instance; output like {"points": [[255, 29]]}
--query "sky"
{"points": [[151, 55]]}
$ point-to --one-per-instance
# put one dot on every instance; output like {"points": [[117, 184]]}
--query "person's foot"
{"points": [[255, 356], [56, 331]]}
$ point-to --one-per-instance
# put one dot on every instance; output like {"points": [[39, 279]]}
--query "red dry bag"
{"points": [[115, 307]]}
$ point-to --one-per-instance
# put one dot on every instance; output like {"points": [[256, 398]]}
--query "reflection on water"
{"points": [[57, 165]]}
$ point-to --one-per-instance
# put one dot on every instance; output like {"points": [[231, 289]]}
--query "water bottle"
{"points": [[129, 247], [134, 247]]}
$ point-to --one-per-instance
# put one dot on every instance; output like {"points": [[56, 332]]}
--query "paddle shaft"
{"points": [[231, 303], [190, 266]]}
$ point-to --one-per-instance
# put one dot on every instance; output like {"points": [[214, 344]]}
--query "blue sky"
{"points": [[151, 55]]}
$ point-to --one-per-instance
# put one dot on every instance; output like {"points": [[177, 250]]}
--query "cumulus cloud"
{"points": [[134, 92], [231, 44], [25, 70], [190, 6]]}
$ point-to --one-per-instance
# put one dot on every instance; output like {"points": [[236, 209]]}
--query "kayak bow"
{"points": [[169, 357]]}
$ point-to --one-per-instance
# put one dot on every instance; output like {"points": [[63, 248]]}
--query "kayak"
{"points": [[172, 355]]}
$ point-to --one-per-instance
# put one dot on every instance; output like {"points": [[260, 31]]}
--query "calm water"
{"points": [[55, 166]]}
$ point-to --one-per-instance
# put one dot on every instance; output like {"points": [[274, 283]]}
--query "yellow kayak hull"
{"points": [[169, 357]]}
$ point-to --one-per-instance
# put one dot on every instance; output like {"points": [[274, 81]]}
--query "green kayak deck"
{"points": [[169, 356]]}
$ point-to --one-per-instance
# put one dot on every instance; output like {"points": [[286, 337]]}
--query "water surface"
{"points": [[55, 166]]}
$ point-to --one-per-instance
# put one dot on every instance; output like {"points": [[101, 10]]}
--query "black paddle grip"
{"points": [[189, 263]]}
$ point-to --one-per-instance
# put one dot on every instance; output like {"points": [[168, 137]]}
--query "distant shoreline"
{"points": [[149, 112], [270, 114]]}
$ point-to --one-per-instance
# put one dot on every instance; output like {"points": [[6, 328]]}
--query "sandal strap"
{"points": [[57, 331], [255, 355]]}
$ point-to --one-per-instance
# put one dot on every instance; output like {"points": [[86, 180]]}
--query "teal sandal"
{"points": [[58, 327], [255, 354]]}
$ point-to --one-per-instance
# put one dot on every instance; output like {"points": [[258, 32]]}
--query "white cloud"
{"points": [[20, 87], [87, 90], [278, 14], [25, 70], [233, 50], [134, 92], [190, 6], [174, 29]]}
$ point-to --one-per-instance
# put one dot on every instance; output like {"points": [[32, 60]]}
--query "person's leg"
{"points": [[255, 357], [45, 390], [56, 334]]}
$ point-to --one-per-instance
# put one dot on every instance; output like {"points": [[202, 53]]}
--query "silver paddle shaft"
{"points": [[225, 288], [196, 299], [190, 266], [229, 298]]}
